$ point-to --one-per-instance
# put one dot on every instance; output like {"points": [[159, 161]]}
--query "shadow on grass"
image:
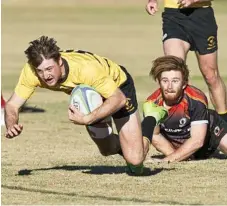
{"points": [[96, 170], [31, 109], [216, 155]]}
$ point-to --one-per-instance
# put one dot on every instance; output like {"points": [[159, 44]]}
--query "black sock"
{"points": [[148, 125], [224, 116]]}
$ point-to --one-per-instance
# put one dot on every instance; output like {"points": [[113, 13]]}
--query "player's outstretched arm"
{"points": [[12, 107], [191, 145]]}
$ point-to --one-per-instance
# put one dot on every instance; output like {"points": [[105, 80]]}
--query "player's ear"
{"points": [[185, 84], [60, 62]]}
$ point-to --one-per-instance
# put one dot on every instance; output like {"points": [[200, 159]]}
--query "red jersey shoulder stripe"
{"points": [[196, 94], [156, 97]]}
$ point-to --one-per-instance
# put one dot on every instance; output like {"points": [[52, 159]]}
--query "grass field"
{"points": [[53, 162]]}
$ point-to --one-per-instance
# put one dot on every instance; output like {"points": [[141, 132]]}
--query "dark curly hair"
{"points": [[43, 47]]}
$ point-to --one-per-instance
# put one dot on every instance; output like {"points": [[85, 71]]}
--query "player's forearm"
{"points": [[11, 115], [185, 151], [110, 106], [162, 144], [202, 0]]}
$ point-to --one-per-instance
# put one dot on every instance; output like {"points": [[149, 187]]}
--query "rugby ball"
{"points": [[85, 98]]}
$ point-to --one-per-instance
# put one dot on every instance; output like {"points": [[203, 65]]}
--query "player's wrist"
{"points": [[87, 119], [196, 1]]}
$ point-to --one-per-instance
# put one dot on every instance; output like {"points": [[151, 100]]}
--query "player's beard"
{"points": [[172, 97]]}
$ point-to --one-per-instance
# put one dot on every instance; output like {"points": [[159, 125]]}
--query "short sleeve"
{"points": [[27, 83], [199, 113]]}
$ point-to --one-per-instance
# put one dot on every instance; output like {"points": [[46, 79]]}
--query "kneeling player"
{"points": [[191, 130]]}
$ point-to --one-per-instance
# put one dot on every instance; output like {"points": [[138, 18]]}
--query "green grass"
{"points": [[54, 162]]}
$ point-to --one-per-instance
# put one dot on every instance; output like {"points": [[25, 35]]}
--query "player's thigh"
{"points": [[129, 90], [176, 47], [204, 35], [176, 38], [129, 129]]}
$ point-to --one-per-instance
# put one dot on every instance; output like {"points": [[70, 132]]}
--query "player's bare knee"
{"points": [[212, 78], [223, 144], [135, 159]]}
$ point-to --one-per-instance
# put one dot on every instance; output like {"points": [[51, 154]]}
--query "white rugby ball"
{"points": [[85, 98]]}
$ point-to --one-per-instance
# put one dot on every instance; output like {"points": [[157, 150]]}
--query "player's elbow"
{"points": [[123, 101], [119, 99], [198, 144]]}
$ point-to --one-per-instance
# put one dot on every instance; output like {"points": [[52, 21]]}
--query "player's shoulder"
{"points": [[155, 97], [28, 76], [28, 70], [76, 52], [195, 94], [80, 57], [67, 53]]}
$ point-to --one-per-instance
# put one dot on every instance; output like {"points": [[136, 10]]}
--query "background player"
{"points": [[191, 129], [191, 25]]}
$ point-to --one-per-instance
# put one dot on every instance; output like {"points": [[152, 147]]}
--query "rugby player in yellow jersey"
{"points": [[49, 68], [191, 25]]}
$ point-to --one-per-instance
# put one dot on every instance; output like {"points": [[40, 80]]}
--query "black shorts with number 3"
{"points": [[197, 26], [128, 88]]}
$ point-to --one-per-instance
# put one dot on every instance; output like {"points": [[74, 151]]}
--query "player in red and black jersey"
{"points": [[191, 129], [191, 108]]}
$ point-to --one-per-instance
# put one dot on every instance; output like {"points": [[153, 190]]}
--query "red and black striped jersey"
{"points": [[191, 109]]}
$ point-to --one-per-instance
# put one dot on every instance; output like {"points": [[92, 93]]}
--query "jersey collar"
{"points": [[66, 66]]}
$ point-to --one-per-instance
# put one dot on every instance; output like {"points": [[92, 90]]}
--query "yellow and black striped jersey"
{"points": [[81, 68], [174, 4]]}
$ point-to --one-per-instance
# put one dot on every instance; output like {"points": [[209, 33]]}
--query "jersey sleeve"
{"points": [[198, 105], [97, 77], [155, 97], [199, 113], [27, 83]]}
